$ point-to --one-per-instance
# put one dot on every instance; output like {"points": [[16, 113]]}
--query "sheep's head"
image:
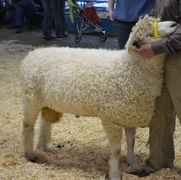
{"points": [[149, 29]]}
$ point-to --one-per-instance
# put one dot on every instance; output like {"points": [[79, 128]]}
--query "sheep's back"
{"points": [[103, 83], [69, 75]]}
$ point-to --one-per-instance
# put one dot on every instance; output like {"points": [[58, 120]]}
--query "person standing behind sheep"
{"points": [[162, 125], [51, 6], [63, 19], [125, 14]]}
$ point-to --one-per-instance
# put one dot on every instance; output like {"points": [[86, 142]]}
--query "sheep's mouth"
{"points": [[135, 44], [174, 25]]}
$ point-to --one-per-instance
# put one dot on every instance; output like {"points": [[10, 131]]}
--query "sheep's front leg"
{"points": [[30, 114], [114, 161], [114, 135], [44, 135], [130, 139]]}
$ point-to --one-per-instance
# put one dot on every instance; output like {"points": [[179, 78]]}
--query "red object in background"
{"points": [[91, 15]]}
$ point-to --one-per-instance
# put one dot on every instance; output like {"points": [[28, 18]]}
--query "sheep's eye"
{"points": [[149, 35]]}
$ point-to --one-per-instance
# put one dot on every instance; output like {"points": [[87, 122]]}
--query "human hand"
{"points": [[145, 51], [110, 16]]}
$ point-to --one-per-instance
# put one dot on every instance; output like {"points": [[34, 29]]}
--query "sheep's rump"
{"points": [[88, 82]]}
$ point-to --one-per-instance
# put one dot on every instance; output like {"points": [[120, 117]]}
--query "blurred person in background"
{"points": [[63, 18], [125, 14], [51, 7], [22, 8]]}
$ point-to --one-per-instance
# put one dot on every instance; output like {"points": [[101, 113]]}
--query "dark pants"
{"points": [[51, 7], [62, 16], [24, 8], [122, 31]]}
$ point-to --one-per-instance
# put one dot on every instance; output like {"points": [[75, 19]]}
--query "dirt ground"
{"points": [[79, 148]]}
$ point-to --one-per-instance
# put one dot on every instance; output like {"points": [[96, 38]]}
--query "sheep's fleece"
{"points": [[114, 85], [93, 82]]}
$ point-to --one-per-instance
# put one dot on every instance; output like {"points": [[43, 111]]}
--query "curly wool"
{"points": [[88, 82], [117, 86]]}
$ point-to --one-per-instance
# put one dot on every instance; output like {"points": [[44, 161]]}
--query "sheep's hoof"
{"points": [[43, 147], [114, 178], [31, 157], [134, 165]]}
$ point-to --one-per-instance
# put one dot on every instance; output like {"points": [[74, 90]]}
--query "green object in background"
{"points": [[71, 9], [71, 14]]}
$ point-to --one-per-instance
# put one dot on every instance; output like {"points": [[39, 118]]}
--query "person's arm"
{"points": [[110, 8], [171, 45]]}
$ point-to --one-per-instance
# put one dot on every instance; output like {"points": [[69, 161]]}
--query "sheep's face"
{"points": [[166, 28], [149, 29]]}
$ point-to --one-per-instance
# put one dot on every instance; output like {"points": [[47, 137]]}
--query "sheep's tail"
{"points": [[50, 116]]}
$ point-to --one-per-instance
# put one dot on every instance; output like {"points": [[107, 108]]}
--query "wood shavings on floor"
{"points": [[79, 149]]}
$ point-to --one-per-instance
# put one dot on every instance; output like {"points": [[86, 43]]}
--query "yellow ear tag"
{"points": [[135, 47], [155, 30]]}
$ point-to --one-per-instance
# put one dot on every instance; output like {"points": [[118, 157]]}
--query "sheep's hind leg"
{"points": [[44, 135], [114, 135], [130, 140], [48, 116], [30, 114]]}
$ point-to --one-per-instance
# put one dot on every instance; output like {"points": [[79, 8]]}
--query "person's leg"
{"points": [[12, 22], [172, 101], [63, 19], [29, 7], [162, 125], [55, 4], [19, 16], [173, 82], [122, 31], [47, 18], [19, 19]]}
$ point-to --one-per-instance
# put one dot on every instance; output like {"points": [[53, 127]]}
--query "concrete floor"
{"points": [[34, 38]]}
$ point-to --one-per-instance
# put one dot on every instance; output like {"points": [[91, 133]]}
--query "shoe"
{"points": [[11, 27], [60, 36], [48, 38], [142, 173], [19, 30], [65, 34]]}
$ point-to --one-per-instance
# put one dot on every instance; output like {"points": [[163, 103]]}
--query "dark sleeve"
{"points": [[171, 44]]}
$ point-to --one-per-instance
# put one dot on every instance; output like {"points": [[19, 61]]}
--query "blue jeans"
{"points": [[23, 8], [122, 31], [51, 7]]}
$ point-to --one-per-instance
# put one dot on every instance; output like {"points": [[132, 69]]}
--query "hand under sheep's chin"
{"points": [[145, 51]]}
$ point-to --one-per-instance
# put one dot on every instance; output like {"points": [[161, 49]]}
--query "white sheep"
{"points": [[117, 86]]}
